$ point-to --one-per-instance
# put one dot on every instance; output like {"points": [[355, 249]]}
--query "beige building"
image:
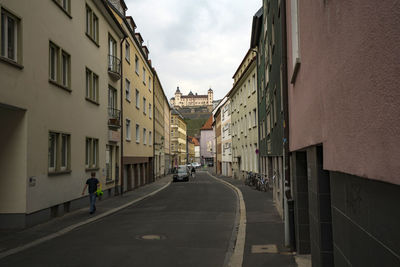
{"points": [[137, 104], [190, 149], [243, 99], [178, 139], [159, 127], [59, 105], [167, 137], [191, 99]]}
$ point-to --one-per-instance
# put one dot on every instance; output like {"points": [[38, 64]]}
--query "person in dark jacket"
{"points": [[91, 184]]}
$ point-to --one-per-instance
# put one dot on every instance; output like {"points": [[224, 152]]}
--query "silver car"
{"points": [[182, 174]]}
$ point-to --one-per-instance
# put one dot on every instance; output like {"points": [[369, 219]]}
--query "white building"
{"points": [[226, 139]]}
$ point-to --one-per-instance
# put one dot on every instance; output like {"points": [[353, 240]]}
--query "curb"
{"points": [[236, 258], [74, 226]]}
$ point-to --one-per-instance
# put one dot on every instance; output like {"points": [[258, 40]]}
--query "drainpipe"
{"points": [[121, 166], [289, 202]]}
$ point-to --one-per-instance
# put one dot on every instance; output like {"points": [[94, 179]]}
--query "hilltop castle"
{"points": [[192, 100]]}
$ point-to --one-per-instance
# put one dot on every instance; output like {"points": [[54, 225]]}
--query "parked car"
{"points": [[182, 174], [196, 165]]}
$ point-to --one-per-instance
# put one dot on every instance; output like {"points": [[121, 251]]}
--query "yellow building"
{"points": [[191, 153], [192, 100], [178, 139], [59, 106], [160, 127], [137, 106]]}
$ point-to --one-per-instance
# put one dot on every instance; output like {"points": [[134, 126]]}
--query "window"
{"points": [[128, 130], [59, 152], [254, 82], [144, 75], [137, 99], [149, 83], [268, 123], [59, 66], [127, 51], [112, 51], [92, 86], [144, 105], [127, 90], [275, 107], [92, 25], [10, 31], [137, 133], [254, 117], [137, 64], [109, 162], [294, 12], [249, 87], [150, 138], [65, 5], [112, 98], [150, 110], [92, 153], [250, 124], [144, 136]]}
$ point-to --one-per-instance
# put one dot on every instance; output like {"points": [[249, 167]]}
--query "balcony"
{"points": [[114, 67], [114, 118]]}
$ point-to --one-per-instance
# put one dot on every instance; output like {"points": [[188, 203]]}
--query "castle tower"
{"points": [[178, 95], [210, 96]]}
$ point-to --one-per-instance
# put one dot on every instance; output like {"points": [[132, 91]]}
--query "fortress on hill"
{"points": [[192, 100]]}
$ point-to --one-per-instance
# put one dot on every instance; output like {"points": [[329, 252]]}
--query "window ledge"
{"points": [[60, 86], [55, 173], [137, 73], [65, 11], [92, 101], [11, 62], [128, 100], [91, 39], [128, 140], [92, 169], [127, 60], [295, 71]]}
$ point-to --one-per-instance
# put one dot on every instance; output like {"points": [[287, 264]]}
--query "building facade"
{"points": [[218, 139], [196, 150], [192, 100], [226, 139], [159, 124], [138, 105], [267, 38], [190, 150], [46, 156], [178, 139], [244, 117], [344, 130], [207, 143], [167, 137]]}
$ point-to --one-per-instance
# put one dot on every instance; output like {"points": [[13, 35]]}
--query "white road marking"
{"points": [[237, 255]]}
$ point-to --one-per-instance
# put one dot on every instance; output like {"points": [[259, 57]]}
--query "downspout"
{"points": [[289, 209], [121, 166]]}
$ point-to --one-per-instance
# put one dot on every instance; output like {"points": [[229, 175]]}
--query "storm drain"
{"points": [[151, 237]]}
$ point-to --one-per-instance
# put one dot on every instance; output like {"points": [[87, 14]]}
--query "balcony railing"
{"points": [[114, 67], [114, 117]]}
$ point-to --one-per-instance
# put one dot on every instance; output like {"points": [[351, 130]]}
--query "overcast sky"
{"points": [[195, 44]]}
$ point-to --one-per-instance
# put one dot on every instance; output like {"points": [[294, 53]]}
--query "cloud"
{"points": [[195, 44]]}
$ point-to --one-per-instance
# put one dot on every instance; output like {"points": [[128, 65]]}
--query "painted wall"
{"points": [[50, 108], [346, 94], [207, 143], [226, 136]]}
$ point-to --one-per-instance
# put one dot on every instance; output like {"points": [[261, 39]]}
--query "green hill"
{"points": [[194, 125]]}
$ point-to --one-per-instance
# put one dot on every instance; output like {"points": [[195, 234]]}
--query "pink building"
{"points": [[344, 112]]}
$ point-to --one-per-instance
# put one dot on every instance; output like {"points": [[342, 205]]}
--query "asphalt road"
{"points": [[187, 224]]}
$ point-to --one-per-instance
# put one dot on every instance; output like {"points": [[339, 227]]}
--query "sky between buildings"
{"points": [[195, 44]]}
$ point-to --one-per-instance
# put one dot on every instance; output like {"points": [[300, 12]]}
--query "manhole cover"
{"points": [[152, 237]]}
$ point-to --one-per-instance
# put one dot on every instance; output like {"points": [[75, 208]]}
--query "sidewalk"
{"points": [[264, 229], [14, 239]]}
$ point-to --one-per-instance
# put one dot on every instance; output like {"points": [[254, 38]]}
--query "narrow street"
{"points": [[187, 224]]}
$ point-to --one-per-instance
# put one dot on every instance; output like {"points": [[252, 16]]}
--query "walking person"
{"points": [[92, 183], [193, 172]]}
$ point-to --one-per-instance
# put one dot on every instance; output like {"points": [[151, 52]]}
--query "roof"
{"points": [[194, 96], [195, 141], [208, 124], [256, 28], [175, 112]]}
